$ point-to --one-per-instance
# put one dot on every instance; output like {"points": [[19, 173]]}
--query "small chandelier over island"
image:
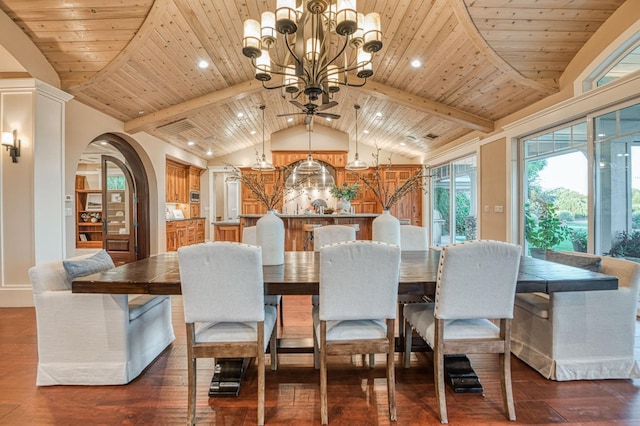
{"points": [[310, 64]]}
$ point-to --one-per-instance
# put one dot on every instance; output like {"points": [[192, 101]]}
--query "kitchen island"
{"points": [[295, 235]]}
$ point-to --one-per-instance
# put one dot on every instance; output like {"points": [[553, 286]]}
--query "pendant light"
{"points": [[356, 164], [309, 166], [263, 165]]}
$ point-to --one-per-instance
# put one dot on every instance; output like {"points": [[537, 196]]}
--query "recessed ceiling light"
{"points": [[289, 120], [209, 152], [191, 143], [366, 132], [253, 132], [402, 144], [240, 115], [203, 64], [141, 112], [328, 118], [416, 63], [378, 114]]}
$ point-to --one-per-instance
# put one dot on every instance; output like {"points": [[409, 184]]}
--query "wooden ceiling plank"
{"points": [[181, 110], [153, 18], [429, 107], [464, 18]]}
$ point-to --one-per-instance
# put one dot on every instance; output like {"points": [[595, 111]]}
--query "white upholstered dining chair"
{"points": [[357, 309], [330, 234], [224, 310], [412, 238], [476, 284], [249, 237], [325, 235]]}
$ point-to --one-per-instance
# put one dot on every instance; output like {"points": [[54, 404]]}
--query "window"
{"points": [[555, 189], [617, 173], [454, 201]]}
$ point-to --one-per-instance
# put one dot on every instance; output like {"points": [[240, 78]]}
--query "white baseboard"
{"points": [[16, 298]]}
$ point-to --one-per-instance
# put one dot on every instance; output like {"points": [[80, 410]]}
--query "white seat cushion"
{"points": [[352, 329], [236, 331], [420, 315], [272, 300]]}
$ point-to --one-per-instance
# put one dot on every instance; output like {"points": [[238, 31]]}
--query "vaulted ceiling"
{"points": [[137, 61]]}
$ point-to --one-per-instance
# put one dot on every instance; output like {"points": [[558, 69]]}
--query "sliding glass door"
{"points": [[454, 200]]}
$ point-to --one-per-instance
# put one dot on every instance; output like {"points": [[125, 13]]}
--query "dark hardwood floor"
{"points": [[357, 394]]}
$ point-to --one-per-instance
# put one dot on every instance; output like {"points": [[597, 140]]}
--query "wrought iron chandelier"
{"points": [[311, 63]]}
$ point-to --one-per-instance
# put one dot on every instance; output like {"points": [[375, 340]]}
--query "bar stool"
{"points": [[308, 228]]}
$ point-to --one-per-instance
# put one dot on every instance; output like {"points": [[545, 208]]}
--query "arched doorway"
{"points": [[91, 180]]}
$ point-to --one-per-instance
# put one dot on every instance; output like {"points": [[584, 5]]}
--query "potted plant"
{"points": [[578, 237], [344, 194], [544, 231]]}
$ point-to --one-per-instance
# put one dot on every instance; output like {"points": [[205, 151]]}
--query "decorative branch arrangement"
{"points": [[380, 187], [268, 187]]}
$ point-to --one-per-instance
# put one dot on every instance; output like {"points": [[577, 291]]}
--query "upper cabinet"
{"points": [[176, 185], [194, 178]]}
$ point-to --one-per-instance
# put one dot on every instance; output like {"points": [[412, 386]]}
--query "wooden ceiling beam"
{"points": [[182, 110], [426, 106]]}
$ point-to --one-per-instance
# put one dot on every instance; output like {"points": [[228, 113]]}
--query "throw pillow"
{"points": [[589, 262], [101, 261]]}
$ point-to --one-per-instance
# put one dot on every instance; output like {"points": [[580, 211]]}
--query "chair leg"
{"points": [[401, 319], [438, 369], [391, 372], [191, 404], [316, 353], [260, 368], [191, 375], [273, 346], [505, 364], [282, 311], [324, 412], [408, 337]]}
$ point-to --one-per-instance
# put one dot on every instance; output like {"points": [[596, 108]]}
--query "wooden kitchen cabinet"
{"points": [[184, 232], [176, 183]]}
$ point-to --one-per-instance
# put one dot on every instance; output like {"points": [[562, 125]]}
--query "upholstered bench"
{"points": [[94, 339], [580, 335]]}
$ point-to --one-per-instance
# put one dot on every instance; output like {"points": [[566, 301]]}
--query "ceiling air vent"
{"points": [[176, 127], [430, 136]]}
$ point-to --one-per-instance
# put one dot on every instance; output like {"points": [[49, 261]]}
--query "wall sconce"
{"points": [[11, 142]]}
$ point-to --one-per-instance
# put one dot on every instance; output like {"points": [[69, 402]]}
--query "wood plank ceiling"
{"points": [[137, 61]]}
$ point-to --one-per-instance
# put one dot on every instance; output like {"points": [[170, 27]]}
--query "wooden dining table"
{"points": [[299, 275]]}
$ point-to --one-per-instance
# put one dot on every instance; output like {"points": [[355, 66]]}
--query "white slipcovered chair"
{"points": [[224, 310], [581, 335], [325, 235], [331, 234], [412, 238], [249, 237], [476, 285], [357, 310], [94, 339]]}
